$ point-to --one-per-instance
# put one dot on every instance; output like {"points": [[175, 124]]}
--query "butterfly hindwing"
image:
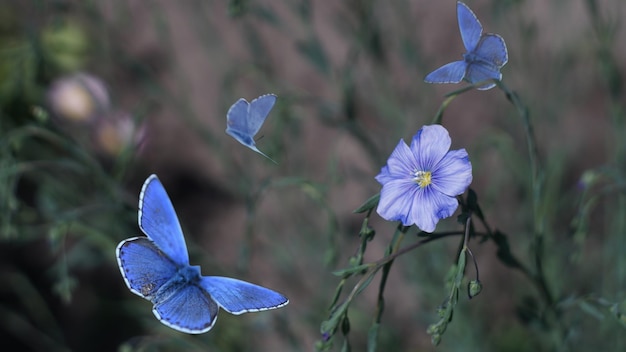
{"points": [[238, 297], [158, 221], [237, 118], [449, 73], [189, 309], [479, 72], [470, 27], [145, 267]]}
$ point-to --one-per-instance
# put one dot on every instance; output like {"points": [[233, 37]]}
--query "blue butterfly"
{"points": [[486, 54], [244, 119], [157, 268]]}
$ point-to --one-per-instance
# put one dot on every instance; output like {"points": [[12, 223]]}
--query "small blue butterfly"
{"points": [[157, 268], [485, 56], [244, 119]]}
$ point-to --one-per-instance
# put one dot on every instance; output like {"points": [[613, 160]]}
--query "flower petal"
{"points": [[453, 174], [429, 146], [401, 162], [429, 207], [396, 199], [384, 176]]}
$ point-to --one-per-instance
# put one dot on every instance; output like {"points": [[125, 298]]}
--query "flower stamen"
{"points": [[422, 178]]}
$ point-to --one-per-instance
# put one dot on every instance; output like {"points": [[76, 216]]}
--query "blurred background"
{"points": [[96, 96]]}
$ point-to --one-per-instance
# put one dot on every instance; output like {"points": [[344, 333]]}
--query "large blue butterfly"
{"points": [[244, 119], [157, 268], [486, 54]]}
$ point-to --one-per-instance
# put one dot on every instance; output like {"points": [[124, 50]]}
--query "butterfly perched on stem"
{"points": [[157, 268], [486, 54]]}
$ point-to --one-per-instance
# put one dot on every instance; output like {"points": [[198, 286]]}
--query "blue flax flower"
{"points": [[421, 182]]}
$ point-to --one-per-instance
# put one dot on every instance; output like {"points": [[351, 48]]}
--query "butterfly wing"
{"points": [[449, 73], [470, 27], [258, 111], [237, 119], [158, 221], [480, 71], [238, 297], [245, 119], [188, 308], [491, 48], [145, 268]]}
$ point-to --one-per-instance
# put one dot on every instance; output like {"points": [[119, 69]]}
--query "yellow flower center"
{"points": [[422, 178]]}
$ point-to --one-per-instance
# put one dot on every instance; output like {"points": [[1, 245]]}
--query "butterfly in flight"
{"points": [[244, 119], [157, 268], [486, 54]]}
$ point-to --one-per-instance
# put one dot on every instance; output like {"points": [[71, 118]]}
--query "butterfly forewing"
{"points": [[145, 267], [238, 297], [470, 27], [491, 48], [449, 73], [258, 111], [158, 221]]}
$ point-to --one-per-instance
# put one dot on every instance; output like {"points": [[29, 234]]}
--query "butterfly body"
{"points": [[471, 58], [187, 275], [244, 120], [485, 55], [243, 138], [157, 268]]}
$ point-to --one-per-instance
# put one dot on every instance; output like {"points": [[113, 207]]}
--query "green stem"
{"points": [[393, 248], [536, 187], [537, 184], [377, 265]]}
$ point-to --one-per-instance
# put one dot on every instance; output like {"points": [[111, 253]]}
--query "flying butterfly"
{"points": [[244, 119], [157, 268]]}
